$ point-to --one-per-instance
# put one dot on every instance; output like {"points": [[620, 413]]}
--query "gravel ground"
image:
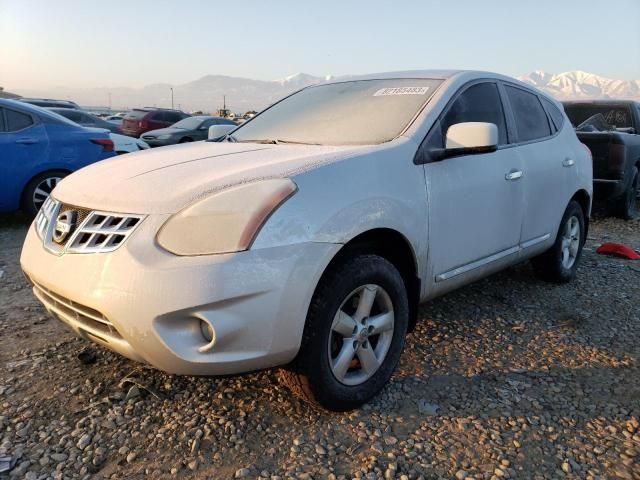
{"points": [[507, 378]]}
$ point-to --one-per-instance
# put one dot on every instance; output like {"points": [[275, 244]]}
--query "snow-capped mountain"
{"points": [[583, 85], [244, 94]]}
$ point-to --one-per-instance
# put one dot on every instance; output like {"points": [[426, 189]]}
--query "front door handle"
{"points": [[568, 162], [513, 175], [27, 141]]}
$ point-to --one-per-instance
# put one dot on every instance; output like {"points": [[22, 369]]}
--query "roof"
{"points": [[5, 94], [28, 107], [599, 101]]}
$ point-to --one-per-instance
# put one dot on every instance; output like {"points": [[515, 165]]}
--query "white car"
{"points": [[125, 144], [307, 238]]}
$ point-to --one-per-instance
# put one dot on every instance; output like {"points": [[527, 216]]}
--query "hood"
{"points": [[167, 179]]}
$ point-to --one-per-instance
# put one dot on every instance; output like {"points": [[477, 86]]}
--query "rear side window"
{"points": [[478, 103], [72, 115], [554, 112], [17, 120], [172, 117], [531, 120]]}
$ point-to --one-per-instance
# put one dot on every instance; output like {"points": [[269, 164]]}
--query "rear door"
{"points": [[548, 166], [24, 147], [475, 201]]}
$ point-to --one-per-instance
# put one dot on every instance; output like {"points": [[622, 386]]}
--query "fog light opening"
{"points": [[206, 330], [209, 335]]}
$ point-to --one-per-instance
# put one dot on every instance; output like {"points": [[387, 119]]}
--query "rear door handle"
{"points": [[27, 141], [513, 175], [568, 162]]}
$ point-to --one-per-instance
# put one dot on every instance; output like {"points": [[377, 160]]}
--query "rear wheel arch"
{"points": [[584, 200], [395, 248]]}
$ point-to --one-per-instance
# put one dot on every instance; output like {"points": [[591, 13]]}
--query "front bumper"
{"points": [[147, 304]]}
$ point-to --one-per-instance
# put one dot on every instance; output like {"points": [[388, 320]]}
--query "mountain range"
{"points": [[243, 94]]}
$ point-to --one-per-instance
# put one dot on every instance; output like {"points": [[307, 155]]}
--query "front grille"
{"points": [[95, 231], [74, 313], [102, 232]]}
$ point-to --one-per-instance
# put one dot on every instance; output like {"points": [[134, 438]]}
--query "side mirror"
{"points": [[468, 138], [217, 131]]}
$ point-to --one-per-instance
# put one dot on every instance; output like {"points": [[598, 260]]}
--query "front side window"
{"points": [[360, 112], [531, 120], [17, 120], [478, 103], [2, 129]]}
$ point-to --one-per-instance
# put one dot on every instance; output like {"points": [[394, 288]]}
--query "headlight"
{"points": [[164, 137], [225, 222]]}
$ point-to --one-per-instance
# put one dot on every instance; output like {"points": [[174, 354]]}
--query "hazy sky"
{"points": [[46, 43]]}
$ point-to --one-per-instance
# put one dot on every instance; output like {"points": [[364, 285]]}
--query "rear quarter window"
{"points": [[557, 117], [17, 121], [531, 119]]}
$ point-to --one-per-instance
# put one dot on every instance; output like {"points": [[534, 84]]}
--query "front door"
{"points": [[475, 201]]}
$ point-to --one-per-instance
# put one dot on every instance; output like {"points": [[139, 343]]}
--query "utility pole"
{"points": [[171, 88], [109, 102]]}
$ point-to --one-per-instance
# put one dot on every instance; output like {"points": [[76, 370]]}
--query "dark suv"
{"points": [[140, 120]]}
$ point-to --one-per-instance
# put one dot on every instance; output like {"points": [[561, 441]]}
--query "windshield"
{"points": [[617, 116], [190, 123], [359, 112]]}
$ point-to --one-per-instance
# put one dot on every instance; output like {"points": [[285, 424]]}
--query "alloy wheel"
{"points": [[43, 190], [570, 242], [361, 334]]}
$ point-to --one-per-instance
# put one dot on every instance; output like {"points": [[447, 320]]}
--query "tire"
{"points": [[38, 189], [317, 375], [627, 206], [553, 265], [186, 140]]}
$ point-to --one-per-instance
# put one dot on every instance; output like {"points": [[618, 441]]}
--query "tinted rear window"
{"points": [[531, 120], [17, 120], [618, 116], [136, 114]]}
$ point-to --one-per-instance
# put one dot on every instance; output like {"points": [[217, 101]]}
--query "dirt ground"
{"points": [[507, 378]]}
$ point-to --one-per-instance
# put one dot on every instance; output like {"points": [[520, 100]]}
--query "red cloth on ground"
{"points": [[618, 250]]}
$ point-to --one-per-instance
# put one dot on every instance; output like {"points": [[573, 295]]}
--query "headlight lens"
{"points": [[164, 137], [225, 222]]}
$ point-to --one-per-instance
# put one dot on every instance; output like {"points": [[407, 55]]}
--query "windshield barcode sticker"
{"points": [[401, 91]]}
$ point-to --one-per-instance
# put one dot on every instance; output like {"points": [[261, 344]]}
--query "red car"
{"points": [[141, 120]]}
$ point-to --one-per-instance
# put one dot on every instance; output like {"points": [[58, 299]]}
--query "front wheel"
{"points": [[560, 263], [353, 336]]}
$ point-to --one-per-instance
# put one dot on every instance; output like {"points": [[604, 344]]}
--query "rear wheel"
{"points": [[560, 263], [627, 206], [39, 189], [353, 336]]}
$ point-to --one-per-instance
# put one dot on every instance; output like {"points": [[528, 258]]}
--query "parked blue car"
{"points": [[39, 148]]}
